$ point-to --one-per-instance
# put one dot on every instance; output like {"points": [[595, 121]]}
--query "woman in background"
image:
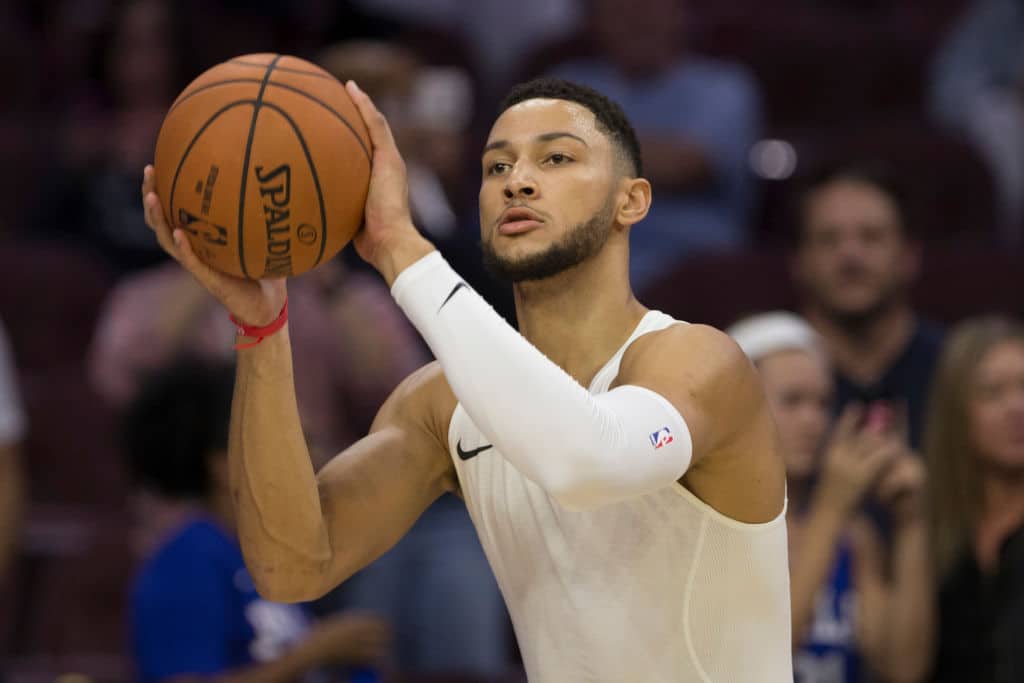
{"points": [[974, 442], [854, 610]]}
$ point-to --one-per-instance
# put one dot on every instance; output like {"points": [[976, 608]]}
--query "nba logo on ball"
{"points": [[662, 437]]}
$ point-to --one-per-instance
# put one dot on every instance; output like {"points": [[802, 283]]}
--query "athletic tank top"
{"points": [[829, 655], [656, 589]]}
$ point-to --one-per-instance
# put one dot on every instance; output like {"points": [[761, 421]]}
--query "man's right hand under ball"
{"points": [[254, 302]]}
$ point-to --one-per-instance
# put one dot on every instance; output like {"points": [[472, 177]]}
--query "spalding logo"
{"points": [[276, 190]]}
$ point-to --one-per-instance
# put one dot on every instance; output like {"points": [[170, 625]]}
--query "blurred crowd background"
{"points": [[858, 162]]}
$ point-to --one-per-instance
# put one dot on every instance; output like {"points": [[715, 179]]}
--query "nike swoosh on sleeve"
{"points": [[448, 298]]}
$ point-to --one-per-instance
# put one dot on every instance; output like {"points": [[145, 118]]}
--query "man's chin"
{"points": [[528, 267], [858, 311], [515, 272]]}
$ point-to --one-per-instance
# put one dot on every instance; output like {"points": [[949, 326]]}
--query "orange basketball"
{"points": [[264, 162]]}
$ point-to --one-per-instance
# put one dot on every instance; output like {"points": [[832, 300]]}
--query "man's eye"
{"points": [[497, 167]]}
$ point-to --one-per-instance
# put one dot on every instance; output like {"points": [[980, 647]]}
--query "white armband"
{"points": [[585, 450]]}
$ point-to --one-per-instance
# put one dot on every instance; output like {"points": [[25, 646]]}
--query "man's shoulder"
{"points": [[687, 344], [423, 398], [428, 385]]}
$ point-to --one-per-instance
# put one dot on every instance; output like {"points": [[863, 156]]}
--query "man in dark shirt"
{"points": [[855, 261]]}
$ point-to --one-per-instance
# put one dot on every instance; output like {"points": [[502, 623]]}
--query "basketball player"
{"points": [[621, 468]]}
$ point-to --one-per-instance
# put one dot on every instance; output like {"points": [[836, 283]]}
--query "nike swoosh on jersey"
{"points": [[466, 455]]}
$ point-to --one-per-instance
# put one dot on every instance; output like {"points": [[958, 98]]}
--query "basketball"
{"points": [[264, 162]]}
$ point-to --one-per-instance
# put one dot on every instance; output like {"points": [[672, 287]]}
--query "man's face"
{"points": [[547, 199], [853, 257]]}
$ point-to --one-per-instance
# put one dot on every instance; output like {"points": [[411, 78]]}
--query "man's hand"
{"points": [[855, 458], [255, 302], [388, 239]]}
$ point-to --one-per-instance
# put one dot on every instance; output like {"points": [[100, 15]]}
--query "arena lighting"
{"points": [[773, 159]]}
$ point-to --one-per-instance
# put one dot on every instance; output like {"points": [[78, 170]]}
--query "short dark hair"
{"points": [[611, 120], [177, 421], [877, 174]]}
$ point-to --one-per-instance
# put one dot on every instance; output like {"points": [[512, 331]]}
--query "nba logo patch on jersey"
{"points": [[662, 437]]}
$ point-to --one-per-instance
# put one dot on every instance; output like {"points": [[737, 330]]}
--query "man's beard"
{"points": [[578, 245], [858, 320]]}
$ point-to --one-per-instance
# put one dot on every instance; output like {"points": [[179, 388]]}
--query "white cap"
{"points": [[767, 333]]}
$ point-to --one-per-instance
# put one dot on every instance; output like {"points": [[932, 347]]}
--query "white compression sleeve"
{"points": [[584, 450]]}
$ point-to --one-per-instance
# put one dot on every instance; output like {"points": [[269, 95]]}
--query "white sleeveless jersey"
{"points": [[656, 589]]}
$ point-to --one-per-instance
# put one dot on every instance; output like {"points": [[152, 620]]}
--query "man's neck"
{"points": [[581, 317], [863, 353]]}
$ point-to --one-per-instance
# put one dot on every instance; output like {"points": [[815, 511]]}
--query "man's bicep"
{"points": [[703, 374], [374, 491]]}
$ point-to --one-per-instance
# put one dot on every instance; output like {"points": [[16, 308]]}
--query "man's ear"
{"points": [[634, 201]]}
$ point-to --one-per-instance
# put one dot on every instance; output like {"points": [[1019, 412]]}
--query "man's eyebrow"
{"points": [[497, 144], [543, 137], [548, 137]]}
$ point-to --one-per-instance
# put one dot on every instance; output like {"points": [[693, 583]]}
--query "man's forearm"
{"points": [[584, 450], [280, 522]]}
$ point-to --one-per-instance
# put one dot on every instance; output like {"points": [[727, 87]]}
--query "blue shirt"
{"points": [[829, 654], [195, 610], [711, 103]]}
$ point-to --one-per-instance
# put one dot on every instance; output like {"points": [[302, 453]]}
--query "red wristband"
{"points": [[260, 333]]}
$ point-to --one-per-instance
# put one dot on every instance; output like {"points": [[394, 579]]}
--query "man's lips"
{"points": [[518, 220]]}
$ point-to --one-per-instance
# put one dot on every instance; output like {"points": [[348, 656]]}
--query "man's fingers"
{"points": [[380, 132], [154, 212], [206, 275], [148, 180]]}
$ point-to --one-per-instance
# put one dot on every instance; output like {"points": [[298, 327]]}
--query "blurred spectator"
{"points": [[352, 345], [499, 33], [92, 194], [978, 88], [854, 262], [195, 611], [435, 584], [12, 432], [856, 612], [429, 111], [975, 451], [697, 119]]}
